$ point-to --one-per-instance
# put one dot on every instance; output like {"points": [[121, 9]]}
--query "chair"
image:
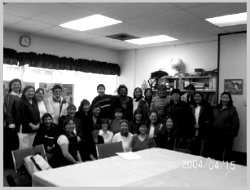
{"points": [[21, 177], [108, 150]]}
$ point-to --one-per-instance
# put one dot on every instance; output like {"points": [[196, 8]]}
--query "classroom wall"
{"points": [[233, 66], [60, 48], [137, 65]]}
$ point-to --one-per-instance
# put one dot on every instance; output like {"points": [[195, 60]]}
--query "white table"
{"points": [[156, 168]]}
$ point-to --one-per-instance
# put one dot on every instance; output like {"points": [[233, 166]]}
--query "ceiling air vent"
{"points": [[122, 36]]}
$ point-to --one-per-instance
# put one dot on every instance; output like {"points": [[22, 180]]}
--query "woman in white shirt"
{"points": [[124, 136], [39, 94], [105, 132]]}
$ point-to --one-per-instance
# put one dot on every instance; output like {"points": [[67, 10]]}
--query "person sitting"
{"points": [[124, 136], [91, 145], [105, 132], [141, 140], [115, 124], [47, 135], [156, 129], [71, 113], [67, 145], [169, 136], [137, 121]]}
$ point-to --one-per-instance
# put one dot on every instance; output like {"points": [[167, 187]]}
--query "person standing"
{"points": [[12, 120], [225, 128], [30, 117], [148, 95], [183, 120], [125, 102], [57, 105], [160, 102], [203, 114], [39, 95], [105, 102], [139, 102]]}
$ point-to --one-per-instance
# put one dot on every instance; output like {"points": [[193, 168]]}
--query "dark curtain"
{"points": [[62, 63]]}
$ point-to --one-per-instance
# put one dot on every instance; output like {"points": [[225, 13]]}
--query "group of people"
{"points": [[70, 135]]}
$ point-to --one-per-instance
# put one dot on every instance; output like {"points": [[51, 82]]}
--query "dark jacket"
{"points": [[47, 136], [91, 146], [142, 105], [12, 111], [126, 105], [183, 119], [226, 121], [29, 114], [205, 120], [86, 123], [106, 103]]}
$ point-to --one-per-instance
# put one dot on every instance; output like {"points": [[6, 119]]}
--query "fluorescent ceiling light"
{"points": [[229, 20], [151, 40], [90, 22]]}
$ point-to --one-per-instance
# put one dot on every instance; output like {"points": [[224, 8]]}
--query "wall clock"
{"points": [[25, 41]]}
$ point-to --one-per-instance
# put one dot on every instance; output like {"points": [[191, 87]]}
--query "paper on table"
{"points": [[129, 155]]}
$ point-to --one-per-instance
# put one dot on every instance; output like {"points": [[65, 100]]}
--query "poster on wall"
{"points": [[233, 86], [6, 86], [67, 90]]}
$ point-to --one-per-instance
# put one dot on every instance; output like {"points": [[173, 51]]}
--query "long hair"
{"points": [[202, 98], [83, 102], [230, 103], [138, 88], [139, 111], [45, 116]]}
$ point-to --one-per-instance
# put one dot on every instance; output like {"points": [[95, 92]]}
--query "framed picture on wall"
{"points": [[234, 86]]}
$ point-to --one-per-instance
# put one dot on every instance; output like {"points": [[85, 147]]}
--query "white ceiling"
{"points": [[184, 21]]}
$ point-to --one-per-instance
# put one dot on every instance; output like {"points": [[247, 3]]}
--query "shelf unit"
{"points": [[204, 84]]}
